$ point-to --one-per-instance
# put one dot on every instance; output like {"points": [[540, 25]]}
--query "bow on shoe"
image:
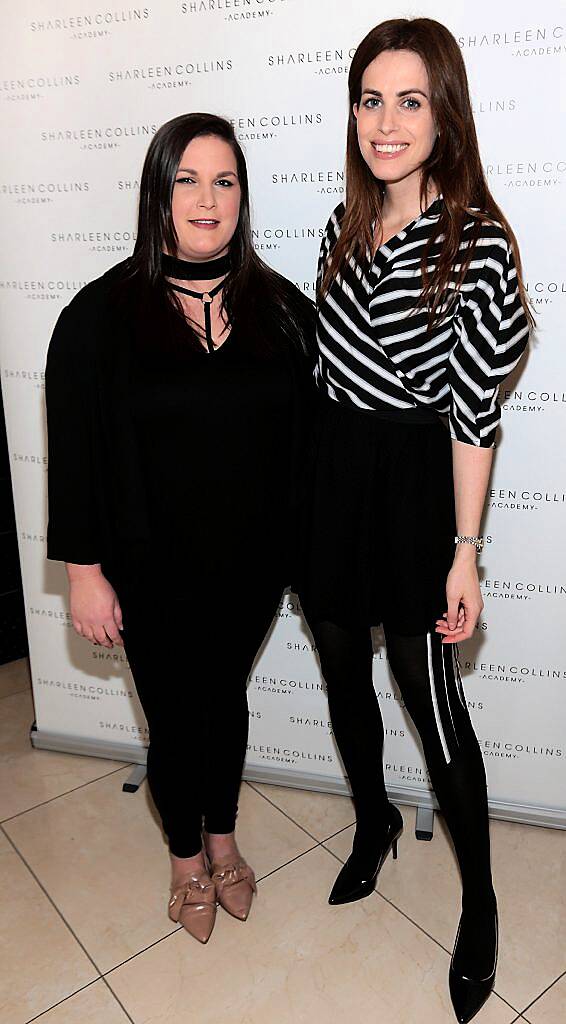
{"points": [[190, 893], [193, 904], [235, 885]]}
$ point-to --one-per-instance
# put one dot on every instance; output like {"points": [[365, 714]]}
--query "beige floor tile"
{"points": [[322, 814], [94, 1005], [266, 837], [101, 855], [31, 776], [14, 677], [551, 1007], [296, 961], [529, 867], [40, 961]]}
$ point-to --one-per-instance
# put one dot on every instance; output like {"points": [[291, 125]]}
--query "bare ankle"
{"points": [[182, 867], [220, 844]]}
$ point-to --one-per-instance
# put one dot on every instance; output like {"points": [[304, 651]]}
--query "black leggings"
{"points": [[191, 682], [428, 677]]}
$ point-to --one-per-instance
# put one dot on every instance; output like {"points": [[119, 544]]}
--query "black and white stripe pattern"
{"points": [[446, 694], [374, 347]]}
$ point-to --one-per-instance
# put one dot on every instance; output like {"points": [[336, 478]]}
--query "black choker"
{"points": [[186, 270]]}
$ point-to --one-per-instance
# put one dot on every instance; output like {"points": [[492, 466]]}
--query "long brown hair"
{"points": [[454, 163]]}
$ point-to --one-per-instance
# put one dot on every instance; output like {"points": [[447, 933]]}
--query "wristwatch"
{"points": [[478, 541]]}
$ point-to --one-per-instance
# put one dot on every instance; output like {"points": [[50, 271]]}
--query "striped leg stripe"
{"points": [[442, 656], [458, 677], [432, 684]]}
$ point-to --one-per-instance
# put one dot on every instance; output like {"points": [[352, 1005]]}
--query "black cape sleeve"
{"points": [[73, 532]]}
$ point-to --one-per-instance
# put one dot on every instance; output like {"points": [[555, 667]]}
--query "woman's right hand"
{"points": [[95, 609]]}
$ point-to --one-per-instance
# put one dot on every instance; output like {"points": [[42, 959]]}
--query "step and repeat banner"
{"points": [[84, 85]]}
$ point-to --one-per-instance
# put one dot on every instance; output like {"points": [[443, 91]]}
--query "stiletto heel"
{"points": [[469, 994], [355, 880]]}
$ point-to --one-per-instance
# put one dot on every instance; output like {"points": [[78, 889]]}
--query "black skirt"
{"points": [[380, 523]]}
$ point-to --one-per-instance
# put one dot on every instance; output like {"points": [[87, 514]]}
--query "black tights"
{"points": [[191, 680], [427, 674]]}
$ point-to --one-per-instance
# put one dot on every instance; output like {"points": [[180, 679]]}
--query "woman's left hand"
{"points": [[465, 602]]}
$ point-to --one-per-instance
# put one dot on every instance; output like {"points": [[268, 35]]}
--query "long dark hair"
{"points": [[454, 163], [251, 286]]}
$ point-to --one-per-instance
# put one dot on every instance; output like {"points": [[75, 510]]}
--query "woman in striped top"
{"points": [[422, 313]]}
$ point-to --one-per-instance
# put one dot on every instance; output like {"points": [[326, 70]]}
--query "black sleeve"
{"points": [[73, 533]]}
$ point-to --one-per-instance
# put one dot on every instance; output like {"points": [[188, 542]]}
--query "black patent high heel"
{"points": [[469, 994], [353, 881]]}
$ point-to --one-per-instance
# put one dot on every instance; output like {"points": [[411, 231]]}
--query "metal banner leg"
{"points": [[135, 779], [424, 825]]}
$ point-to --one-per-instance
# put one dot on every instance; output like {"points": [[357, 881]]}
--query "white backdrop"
{"points": [[83, 88]]}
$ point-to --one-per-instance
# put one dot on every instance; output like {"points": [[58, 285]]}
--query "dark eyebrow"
{"points": [[221, 174], [405, 92]]}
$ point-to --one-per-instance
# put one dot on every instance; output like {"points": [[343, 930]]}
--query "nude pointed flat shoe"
{"points": [[193, 904], [235, 885]]}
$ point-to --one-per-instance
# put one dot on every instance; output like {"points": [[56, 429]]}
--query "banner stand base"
{"points": [[546, 817], [135, 779]]}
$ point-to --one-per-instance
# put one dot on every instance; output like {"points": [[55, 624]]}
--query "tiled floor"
{"points": [[85, 939]]}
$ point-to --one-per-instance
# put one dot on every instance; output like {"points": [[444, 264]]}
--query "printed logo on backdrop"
{"points": [[532, 401], [288, 755], [23, 193], [86, 691], [113, 730], [99, 24], [265, 127], [513, 750], [25, 375], [536, 41], [282, 686], [307, 288], [233, 10], [28, 537], [315, 62], [546, 292], [95, 241], [50, 289], [288, 606], [99, 137], [320, 181], [34, 459], [299, 647], [494, 105], [116, 659], [520, 590], [512, 673], [400, 771], [308, 723], [35, 87], [524, 500], [179, 75], [531, 174], [277, 237], [50, 614]]}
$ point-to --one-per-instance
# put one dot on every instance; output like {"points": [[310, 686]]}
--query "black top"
{"points": [[145, 438], [373, 344], [216, 463]]}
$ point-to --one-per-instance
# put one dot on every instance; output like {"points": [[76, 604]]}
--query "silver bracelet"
{"points": [[478, 541]]}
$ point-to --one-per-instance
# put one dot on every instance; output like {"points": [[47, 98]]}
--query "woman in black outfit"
{"points": [[421, 312], [178, 387]]}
